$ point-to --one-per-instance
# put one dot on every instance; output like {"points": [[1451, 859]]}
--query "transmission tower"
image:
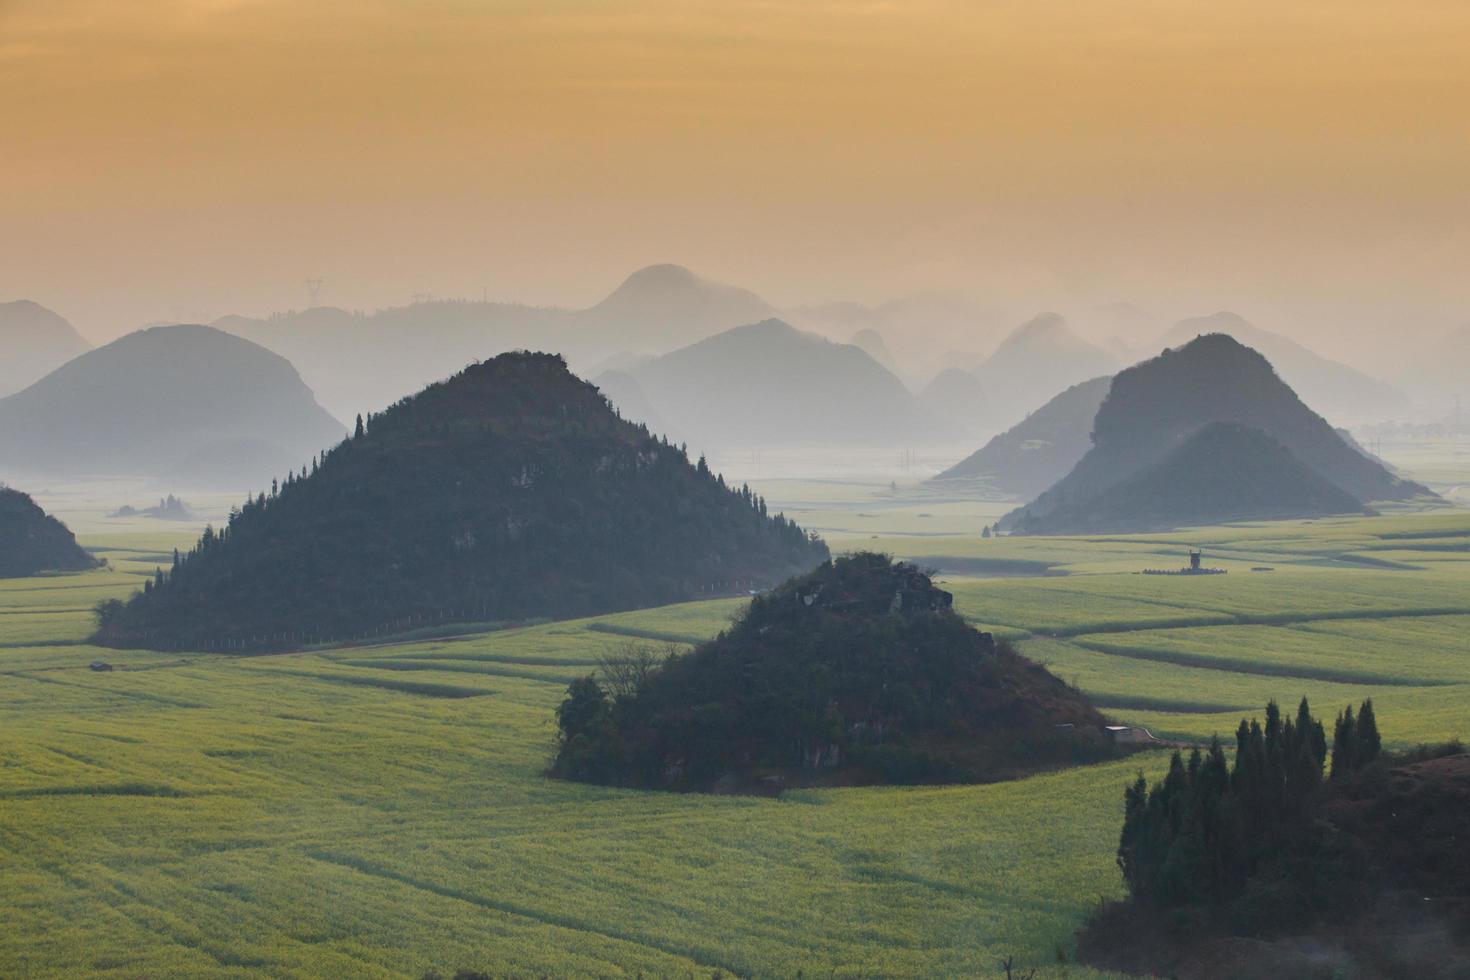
{"points": [[314, 289]]}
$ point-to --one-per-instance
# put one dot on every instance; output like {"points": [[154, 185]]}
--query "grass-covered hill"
{"points": [[32, 541], [1037, 452], [1223, 472], [35, 341], [858, 672], [156, 399], [1156, 407], [508, 492]]}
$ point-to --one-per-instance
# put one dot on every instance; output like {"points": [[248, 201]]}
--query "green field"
{"points": [[380, 810]]}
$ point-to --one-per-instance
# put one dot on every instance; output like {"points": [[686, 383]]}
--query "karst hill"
{"points": [[858, 672], [32, 541], [1142, 473], [511, 491], [160, 401]]}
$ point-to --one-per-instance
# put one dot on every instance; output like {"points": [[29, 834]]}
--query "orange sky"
{"points": [[1304, 162]]}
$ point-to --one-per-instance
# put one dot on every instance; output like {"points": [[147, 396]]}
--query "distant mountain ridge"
{"points": [[34, 341], [769, 384], [665, 306], [1157, 406], [147, 402], [361, 362], [507, 492], [1040, 358]]}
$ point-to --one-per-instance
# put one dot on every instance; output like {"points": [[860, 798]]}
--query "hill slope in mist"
{"points": [[33, 342], [32, 541], [1330, 387], [956, 396], [872, 341], [662, 307], [1037, 452], [1157, 406], [147, 402], [1223, 472], [924, 333], [1440, 372], [1039, 359], [769, 384], [508, 492]]}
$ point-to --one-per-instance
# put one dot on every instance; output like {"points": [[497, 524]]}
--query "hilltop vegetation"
{"points": [[32, 541], [1156, 408], [857, 672], [508, 492], [152, 401]]}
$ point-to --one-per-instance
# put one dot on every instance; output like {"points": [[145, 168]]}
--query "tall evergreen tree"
{"points": [[1344, 744], [1370, 744]]}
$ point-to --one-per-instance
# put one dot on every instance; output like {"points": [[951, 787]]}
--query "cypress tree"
{"points": [[1344, 742], [1369, 744]]}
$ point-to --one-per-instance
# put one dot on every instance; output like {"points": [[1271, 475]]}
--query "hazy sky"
{"points": [[1304, 162]]}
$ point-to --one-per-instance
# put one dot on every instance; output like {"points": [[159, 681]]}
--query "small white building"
{"points": [[1126, 735]]}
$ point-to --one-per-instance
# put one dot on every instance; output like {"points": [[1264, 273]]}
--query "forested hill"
{"points": [[1224, 472], [858, 672], [510, 491], [1157, 406], [32, 541]]}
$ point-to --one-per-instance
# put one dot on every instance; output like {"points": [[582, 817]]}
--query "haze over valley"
{"points": [[718, 489]]}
